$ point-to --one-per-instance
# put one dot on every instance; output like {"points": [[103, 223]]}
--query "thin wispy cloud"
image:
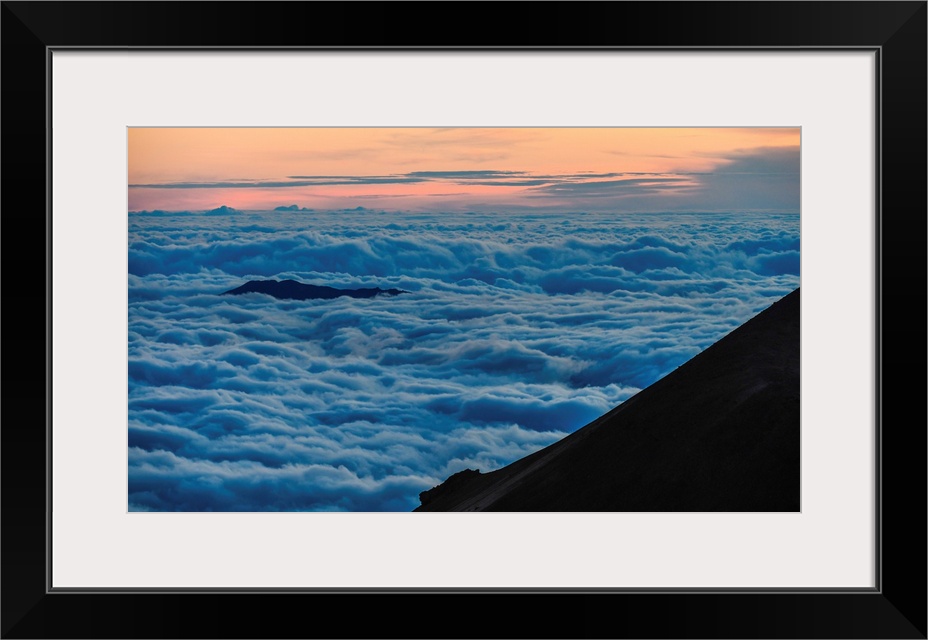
{"points": [[293, 181], [615, 188]]}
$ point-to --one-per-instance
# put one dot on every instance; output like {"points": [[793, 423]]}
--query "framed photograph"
{"points": [[434, 336], [337, 279]]}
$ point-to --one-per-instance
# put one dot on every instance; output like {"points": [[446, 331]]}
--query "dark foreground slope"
{"points": [[293, 290], [720, 433]]}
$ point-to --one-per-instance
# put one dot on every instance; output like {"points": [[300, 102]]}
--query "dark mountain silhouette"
{"points": [[719, 433], [293, 290]]}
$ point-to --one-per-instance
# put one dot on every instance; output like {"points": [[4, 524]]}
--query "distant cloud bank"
{"points": [[517, 330]]}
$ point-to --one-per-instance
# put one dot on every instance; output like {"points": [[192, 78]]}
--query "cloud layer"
{"points": [[517, 330]]}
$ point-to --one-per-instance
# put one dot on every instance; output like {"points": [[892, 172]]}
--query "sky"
{"points": [[549, 275], [465, 169]]}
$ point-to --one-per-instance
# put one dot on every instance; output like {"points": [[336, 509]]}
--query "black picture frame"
{"points": [[896, 608]]}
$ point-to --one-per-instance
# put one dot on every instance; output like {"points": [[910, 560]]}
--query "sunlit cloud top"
{"points": [[465, 169]]}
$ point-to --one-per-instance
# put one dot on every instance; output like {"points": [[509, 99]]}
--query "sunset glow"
{"points": [[463, 169]]}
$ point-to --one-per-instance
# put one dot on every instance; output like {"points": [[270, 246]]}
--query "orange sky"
{"points": [[468, 168]]}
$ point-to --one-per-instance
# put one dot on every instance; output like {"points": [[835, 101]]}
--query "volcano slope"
{"points": [[719, 433]]}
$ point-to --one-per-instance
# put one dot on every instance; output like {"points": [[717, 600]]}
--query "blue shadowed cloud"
{"points": [[754, 179], [515, 332]]}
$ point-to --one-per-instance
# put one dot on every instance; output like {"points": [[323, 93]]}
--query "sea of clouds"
{"points": [[516, 330]]}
